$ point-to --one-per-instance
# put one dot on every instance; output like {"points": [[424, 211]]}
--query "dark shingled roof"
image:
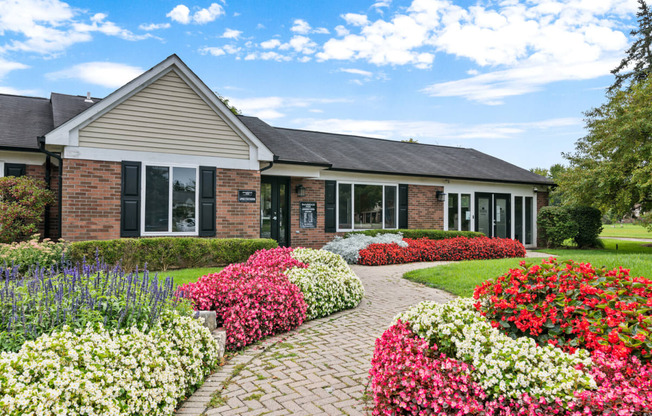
{"points": [[23, 119], [65, 107], [366, 154]]}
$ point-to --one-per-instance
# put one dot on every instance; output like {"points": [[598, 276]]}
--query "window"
{"points": [[466, 212], [453, 222], [459, 212], [170, 206], [367, 207]]}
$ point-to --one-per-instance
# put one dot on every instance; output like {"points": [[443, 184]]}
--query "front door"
{"points": [[493, 215], [274, 212]]}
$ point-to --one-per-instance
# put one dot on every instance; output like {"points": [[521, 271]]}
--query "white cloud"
{"points": [[269, 108], [260, 26], [8, 66], [15, 91], [212, 50], [181, 14], [357, 72], [231, 34], [321, 31], [432, 130], [341, 30], [51, 26], [356, 19], [301, 26], [232, 49], [106, 74], [381, 4], [270, 44], [153, 26], [301, 44]]}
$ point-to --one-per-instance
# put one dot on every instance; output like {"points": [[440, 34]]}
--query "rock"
{"points": [[209, 319]]}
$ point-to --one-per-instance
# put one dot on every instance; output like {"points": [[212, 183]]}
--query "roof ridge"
{"points": [[370, 138]]}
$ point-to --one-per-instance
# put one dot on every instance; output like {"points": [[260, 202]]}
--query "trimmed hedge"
{"points": [[589, 226], [415, 234], [162, 253]]}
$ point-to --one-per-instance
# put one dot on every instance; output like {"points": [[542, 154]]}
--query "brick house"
{"points": [[163, 156]]}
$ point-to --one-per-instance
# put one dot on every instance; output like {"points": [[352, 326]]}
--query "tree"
{"points": [[636, 66], [611, 167], [229, 106], [23, 201], [541, 171]]}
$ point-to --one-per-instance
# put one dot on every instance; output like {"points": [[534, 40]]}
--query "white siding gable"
{"points": [[167, 116]]}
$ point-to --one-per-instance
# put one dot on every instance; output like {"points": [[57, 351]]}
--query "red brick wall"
{"points": [[308, 237], [91, 200], [237, 219], [424, 211], [543, 200]]}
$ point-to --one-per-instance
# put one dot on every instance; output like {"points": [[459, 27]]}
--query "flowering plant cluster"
{"points": [[451, 249], [23, 201], [49, 298], [328, 284], [32, 253], [95, 371], [572, 305], [350, 246]]}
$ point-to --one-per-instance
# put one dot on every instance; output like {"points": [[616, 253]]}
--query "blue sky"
{"points": [[510, 78]]}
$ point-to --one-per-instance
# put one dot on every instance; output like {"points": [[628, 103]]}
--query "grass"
{"points": [[461, 278], [183, 276], [625, 231]]}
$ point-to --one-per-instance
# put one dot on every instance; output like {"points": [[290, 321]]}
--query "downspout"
{"points": [[267, 167], [48, 178], [41, 145]]}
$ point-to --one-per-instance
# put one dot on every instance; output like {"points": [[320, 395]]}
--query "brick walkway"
{"points": [[320, 368]]}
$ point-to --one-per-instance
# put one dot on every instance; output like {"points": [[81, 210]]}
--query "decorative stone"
{"points": [[209, 319], [220, 335]]}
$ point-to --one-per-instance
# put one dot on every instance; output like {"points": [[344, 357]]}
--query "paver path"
{"points": [[320, 368]]}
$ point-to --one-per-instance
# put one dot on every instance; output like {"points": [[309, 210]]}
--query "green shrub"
{"points": [[162, 253], [555, 226], [589, 226], [28, 254], [415, 234], [22, 205]]}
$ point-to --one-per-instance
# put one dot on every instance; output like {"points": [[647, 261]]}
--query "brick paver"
{"points": [[320, 368]]}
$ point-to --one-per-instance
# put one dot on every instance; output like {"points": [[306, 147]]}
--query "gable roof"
{"points": [[23, 119], [371, 155]]}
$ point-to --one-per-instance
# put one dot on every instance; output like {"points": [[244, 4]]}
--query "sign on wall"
{"points": [[246, 196], [308, 215]]}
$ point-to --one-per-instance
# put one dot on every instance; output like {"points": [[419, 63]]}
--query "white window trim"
{"points": [[2, 168], [337, 205], [143, 195]]}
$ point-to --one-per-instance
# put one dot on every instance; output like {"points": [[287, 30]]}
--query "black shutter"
{"points": [[329, 207], [15, 169], [207, 198], [130, 200], [403, 206]]}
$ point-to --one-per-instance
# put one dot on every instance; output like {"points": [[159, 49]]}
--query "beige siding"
{"points": [[168, 117]]}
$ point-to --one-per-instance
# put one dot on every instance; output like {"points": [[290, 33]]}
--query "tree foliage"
{"points": [[228, 105], [610, 168], [636, 66], [23, 201]]}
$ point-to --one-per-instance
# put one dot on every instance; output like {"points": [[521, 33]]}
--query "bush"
{"points": [[50, 299], [452, 249], [555, 225], [95, 371], [589, 226], [414, 234], [252, 300], [27, 255], [572, 305], [349, 247], [22, 207], [328, 284], [161, 253]]}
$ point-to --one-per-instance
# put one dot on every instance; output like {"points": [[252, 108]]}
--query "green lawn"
{"points": [[625, 231], [461, 278], [182, 276]]}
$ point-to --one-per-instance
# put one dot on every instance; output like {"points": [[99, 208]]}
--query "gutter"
{"points": [[41, 149]]}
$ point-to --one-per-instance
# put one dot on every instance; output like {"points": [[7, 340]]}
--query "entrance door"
{"points": [[274, 212], [493, 215]]}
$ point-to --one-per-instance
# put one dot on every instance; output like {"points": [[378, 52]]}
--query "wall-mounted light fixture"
{"points": [[535, 189], [441, 196], [301, 190]]}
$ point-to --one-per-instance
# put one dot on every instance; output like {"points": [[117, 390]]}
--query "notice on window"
{"points": [[246, 196], [308, 212]]}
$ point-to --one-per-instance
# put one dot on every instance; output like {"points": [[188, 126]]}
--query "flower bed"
{"points": [[452, 359], [452, 249], [94, 371], [275, 291], [29, 254], [349, 247]]}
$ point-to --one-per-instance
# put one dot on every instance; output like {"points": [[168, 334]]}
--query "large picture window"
{"points": [[367, 207], [170, 204]]}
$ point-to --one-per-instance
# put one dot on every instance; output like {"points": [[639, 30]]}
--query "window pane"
{"points": [[390, 207], [183, 199], [466, 212], [518, 219], [528, 220], [344, 206], [157, 197], [266, 210], [453, 220], [368, 205]]}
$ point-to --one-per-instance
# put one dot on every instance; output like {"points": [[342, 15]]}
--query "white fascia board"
{"points": [[67, 133], [300, 171], [112, 155], [27, 158]]}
